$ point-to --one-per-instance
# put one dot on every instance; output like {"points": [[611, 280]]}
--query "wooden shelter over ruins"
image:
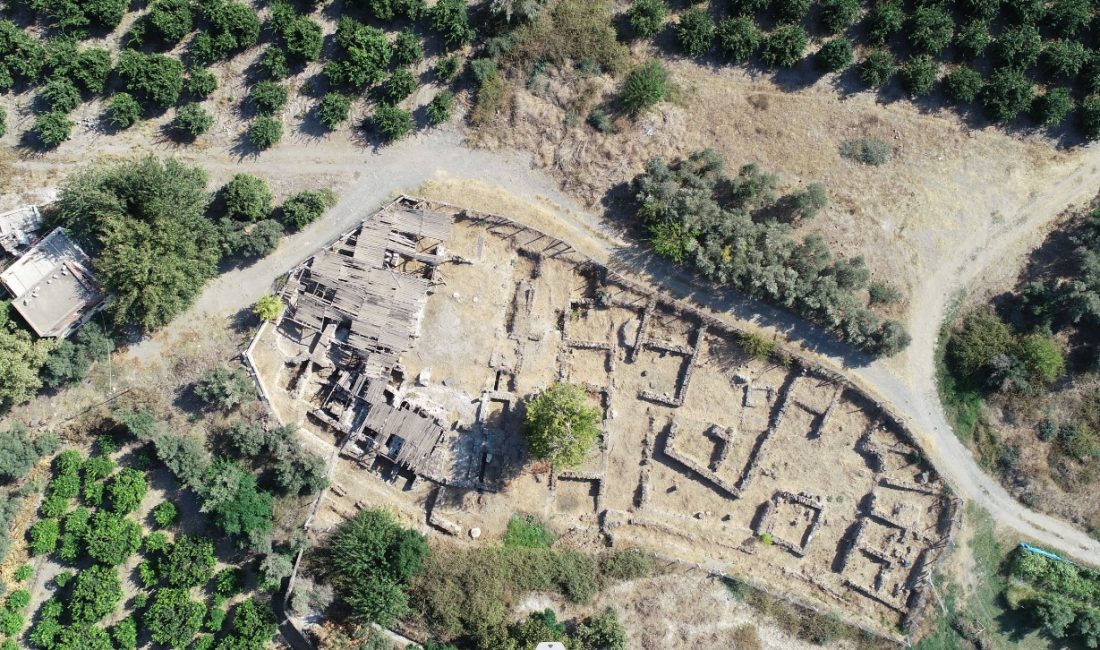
{"points": [[360, 300]]}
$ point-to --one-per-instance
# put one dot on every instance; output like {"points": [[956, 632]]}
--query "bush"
{"points": [[23, 572], [192, 120], [222, 387], [695, 32], [1018, 47], [268, 97], [600, 120], [126, 490], [61, 95], [96, 593], [602, 631], [267, 308], [18, 452], [491, 90], [884, 20], [884, 293], [450, 18], [247, 198], [930, 29], [790, 11], [877, 68], [112, 539], [918, 75], [364, 55], [305, 207], [392, 122], [962, 85], [43, 536], [644, 87], [647, 17], [834, 55], [439, 109], [527, 531], [333, 109], [233, 27], [154, 78], [274, 62], [52, 129], [400, 84], [838, 15], [189, 562], [973, 39], [1006, 94], [1089, 117], [1052, 107], [21, 56], [123, 111], [407, 47], [265, 132], [868, 151], [304, 39], [738, 38], [1064, 59], [173, 619], [201, 83], [560, 426], [1068, 17], [446, 68], [784, 46], [169, 21]]}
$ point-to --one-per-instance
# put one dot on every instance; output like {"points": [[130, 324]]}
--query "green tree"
{"points": [[169, 21], [451, 19], [123, 111], [247, 198], [125, 634], [189, 562], [738, 38], [52, 129], [392, 122], [43, 536], [561, 426], [333, 109], [268, 308], [246, 514], [1052, 107], [364, 54], [173, 619], [127, 489], [192, 120], [644, 86], [111, 538], [407, 47], [201, 83], [360, 565], [1068, 17], [303, 39], [1018, 47], [1056, 613], [154, 78], [274, 62], [1064, 59], [96, 593], [834, 55], [165, 514], [784, 46], [256, 240], [647, 17], [233, 27], [303, 208], [1006, 94], [400, 84], [973, 38], [930, 29], [918, 75], [439, 109], [601, 632], [19, 452], [695, 32], [61, 95], [265, 132], [225, 388], [790, 11], [268, 97], [21, 56], [981, 337], [1089, 117], [962, 84], [300, 471], [838, 15], [885, 19], [876, 69], [144, 223], [253, 625]]}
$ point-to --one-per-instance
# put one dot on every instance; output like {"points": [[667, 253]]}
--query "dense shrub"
{"points": [[275, 63], [96, 593], [22, 57], [877, 68], [400, 84], [407, 47], [123, 111], [304, 39], [973, 38], [268, 97], [1018, 47], [169, 21], [644, 87], [333, 109], [439, 109], [88, 67], [392, 122], [918, 75], [112, 539], [884, 20], [221, 387], [154, 78], [1064, 59], [52, 129], [930, 29], [738, 38], [560, 426], [233, 27], [695, 32], [451, 19], [1068, 17], [784, 46], [363, 55], [192, 120], [60, 95], [43, 536], [265, 132], [647, 17], [1006, 94], [19, 452], [201, 83], [962, 84], [838, 15], [834, 55], [173, 619], [126, 490], [189, 562], [1089, 117], [1052, 107], [790, 11], [303, 208]]}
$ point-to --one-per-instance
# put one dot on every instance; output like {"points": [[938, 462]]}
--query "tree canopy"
{"points": [[561, 425]]}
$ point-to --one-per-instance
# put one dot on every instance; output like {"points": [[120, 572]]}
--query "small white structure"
{"points": [[52, 286], [17, 228], [550, 645]]}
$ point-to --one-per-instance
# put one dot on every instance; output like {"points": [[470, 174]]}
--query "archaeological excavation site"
{"points": [[407, 349]]}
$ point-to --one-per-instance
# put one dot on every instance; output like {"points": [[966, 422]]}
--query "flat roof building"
{"points": [[52, 286], [17, 228]]}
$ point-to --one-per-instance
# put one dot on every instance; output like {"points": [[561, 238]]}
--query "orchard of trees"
{"points": [[1060, 598], [736, 231]]}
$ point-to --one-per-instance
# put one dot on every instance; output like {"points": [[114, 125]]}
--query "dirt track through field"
{"points": [[364, 180]]}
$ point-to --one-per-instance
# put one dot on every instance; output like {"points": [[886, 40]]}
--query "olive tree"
{"points": [[561, 425]]}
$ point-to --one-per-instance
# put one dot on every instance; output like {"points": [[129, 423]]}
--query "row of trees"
{"points": [[1004, 51], [737, 232], [1063, 599]]}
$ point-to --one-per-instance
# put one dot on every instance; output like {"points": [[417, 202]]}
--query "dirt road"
{"points": [[907, 382]]}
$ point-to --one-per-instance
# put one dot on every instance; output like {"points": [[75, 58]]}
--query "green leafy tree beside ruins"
{"points": [[561, 425]]}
